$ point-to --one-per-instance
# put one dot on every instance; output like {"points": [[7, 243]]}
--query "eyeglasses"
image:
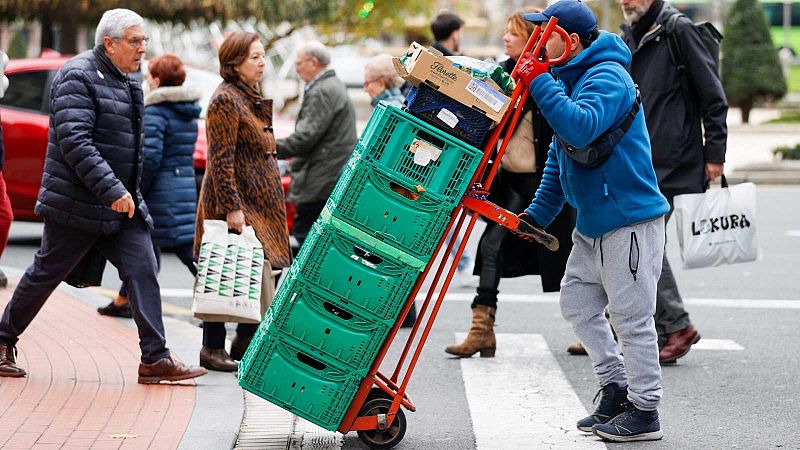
{"points": [[135, 41], [368, 82]]}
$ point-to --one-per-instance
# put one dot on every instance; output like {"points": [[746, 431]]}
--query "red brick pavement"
{"points": [[81, 389]]}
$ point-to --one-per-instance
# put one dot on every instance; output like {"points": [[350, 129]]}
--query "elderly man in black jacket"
{"points": [[678, 114], [90, 194]]}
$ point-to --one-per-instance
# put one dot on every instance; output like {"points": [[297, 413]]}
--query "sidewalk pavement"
{"points": [[749, 156], [81, 390]]}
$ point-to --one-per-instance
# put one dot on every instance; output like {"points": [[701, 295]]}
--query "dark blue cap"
{"points": [[573, 16]]}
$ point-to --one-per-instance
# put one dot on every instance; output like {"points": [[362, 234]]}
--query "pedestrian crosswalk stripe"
{"points": [[743, 303], [522, 399], [717, 344]]}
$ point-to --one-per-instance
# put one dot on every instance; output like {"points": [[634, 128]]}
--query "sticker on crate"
{"points": [[424, 152], [447, 117]]}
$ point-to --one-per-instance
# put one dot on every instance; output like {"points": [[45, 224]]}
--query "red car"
{"points": [[25, 119]]}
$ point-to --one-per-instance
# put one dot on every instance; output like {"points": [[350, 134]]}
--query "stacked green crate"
{"points": [[403, 181], [357, 267]]}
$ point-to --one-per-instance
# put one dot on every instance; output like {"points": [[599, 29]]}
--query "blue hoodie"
{"points": [[594, 93]]}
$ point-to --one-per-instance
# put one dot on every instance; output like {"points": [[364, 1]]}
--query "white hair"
{"points": [[316, 49], [383, 68], [114, 23]]}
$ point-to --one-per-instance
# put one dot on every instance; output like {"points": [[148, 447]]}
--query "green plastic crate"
{"points": [[294, 378], [321, 321], [352, 264], [392, 133], [375, 200]]}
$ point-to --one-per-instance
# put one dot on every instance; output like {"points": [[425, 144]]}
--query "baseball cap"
{"points": [[573, 16]]}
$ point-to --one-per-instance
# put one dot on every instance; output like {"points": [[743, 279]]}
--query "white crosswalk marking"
{"points": [[717, 344], [521, 398]]}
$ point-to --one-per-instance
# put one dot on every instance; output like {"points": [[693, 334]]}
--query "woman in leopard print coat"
{"points": [[242, 182]]}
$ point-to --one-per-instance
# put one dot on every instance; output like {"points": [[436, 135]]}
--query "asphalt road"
{"points": [[739, 391]]}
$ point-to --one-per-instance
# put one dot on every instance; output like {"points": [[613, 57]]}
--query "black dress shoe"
{"points": [[113, 310], [8, 362], [217, 359], [238, 347]]}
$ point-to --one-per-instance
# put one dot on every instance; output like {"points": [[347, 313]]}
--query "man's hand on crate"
{"points": [[529, 67]]}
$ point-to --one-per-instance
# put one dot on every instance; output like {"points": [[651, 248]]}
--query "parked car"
{"points": [[25, 120]]}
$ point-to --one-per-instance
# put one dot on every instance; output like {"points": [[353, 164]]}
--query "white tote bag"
{"points": [[718, 226], [229, 273]]}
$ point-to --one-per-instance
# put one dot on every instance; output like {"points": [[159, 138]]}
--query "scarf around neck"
{"points": [[640, 28]]}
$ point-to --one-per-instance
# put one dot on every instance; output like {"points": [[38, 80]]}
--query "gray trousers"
{"points": [[671, 315], [618, 271]]}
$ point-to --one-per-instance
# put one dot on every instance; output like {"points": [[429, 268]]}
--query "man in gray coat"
{"points": [[686, 110], [91, 196], [324, 137]]}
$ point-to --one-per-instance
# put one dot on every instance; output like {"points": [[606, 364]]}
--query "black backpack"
{"points": [[711, 40]]}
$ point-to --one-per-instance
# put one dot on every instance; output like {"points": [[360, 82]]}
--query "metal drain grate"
{"points": [[266, 426]]}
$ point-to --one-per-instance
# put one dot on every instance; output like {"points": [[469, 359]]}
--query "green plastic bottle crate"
{"points": [[320, 320], [375, 200], [356, 266], [392, 133], [294, 378]]}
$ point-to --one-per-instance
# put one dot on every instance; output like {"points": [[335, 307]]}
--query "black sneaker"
{"points": [[613, 401], [113, 310], [632, 425]]}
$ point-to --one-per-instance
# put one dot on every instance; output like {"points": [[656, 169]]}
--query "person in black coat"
{"points": [[688, 133], [502, 254], [90, 194], [168, 185]]}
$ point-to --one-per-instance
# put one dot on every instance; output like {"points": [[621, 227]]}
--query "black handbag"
{"points": [[89, 271]]}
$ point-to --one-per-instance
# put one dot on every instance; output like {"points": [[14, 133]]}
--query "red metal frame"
{"points": [[394, 386]]}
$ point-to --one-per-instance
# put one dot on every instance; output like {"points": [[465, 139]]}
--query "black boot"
{"points": [[613, 401]]}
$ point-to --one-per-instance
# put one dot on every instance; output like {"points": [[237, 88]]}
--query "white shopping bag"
{"points": [[229, 273], [718, 226]]}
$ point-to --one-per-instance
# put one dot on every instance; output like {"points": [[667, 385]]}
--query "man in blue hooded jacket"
{"points": [[599, 162]]}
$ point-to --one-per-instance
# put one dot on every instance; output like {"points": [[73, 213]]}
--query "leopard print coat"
{"points": [[242, 170]]}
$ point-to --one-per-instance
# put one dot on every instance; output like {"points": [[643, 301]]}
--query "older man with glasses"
{"points": [[90, 194]]}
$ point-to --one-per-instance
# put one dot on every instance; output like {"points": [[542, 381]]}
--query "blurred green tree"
{"points": [[751, 71], [340, 19]]}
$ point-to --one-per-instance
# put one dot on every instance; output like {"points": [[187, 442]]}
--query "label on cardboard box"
{"points": [[492, 98]]}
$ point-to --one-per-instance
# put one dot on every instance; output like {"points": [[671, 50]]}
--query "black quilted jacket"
{"points": [[94, 153]]}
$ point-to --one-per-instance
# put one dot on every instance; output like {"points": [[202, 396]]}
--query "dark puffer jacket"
{"points": [[170, 134], [94, 153]]}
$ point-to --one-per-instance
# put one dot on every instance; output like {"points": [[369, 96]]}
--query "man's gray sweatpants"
{"points": [[620, 271]]}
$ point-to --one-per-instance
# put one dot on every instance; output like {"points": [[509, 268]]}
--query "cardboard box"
{"points": [[427, 65]]}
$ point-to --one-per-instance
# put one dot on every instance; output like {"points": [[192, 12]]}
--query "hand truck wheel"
{"points": [[389, 437]]}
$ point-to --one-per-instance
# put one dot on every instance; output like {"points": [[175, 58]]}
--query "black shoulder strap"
{"points": [[675, 53]]}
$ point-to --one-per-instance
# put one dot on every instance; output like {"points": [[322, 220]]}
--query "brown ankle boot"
{"points": [[8, 362], [217, 359], [480, 337]]}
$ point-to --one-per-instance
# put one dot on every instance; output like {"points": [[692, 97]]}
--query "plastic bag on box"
{"points": [[485, 70]]}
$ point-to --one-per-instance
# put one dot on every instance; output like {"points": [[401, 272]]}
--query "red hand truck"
{"points": [[375, 412]]}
